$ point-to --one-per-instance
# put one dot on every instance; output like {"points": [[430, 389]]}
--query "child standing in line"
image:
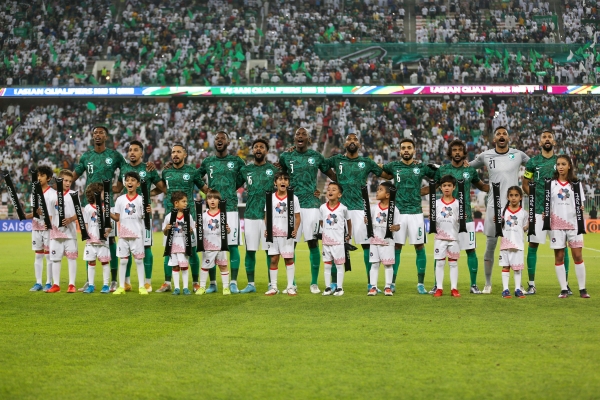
{"points": [[514, 224]]}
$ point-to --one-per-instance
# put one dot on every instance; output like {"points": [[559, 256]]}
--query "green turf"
{"points": [[252, 346]]}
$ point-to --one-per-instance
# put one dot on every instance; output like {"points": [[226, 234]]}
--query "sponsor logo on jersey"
{"points": [[466, 175], [416, 170], [311, 160], [130, 209], [186, 177], [281, 207], [269, 172], [331, 219], [213, 224], [381, 216], [230, 165], [564, 194], [446, 212], [361, 164], [108, 161], [512, 220]]}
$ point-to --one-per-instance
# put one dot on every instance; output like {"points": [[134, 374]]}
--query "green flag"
{"points": [[133, 23], [206, 82], [129, 132], [308, 75], [161, 70], [236, 65], [295, 66], [519, 56], [506, 54], [228, 45], [117, 64], [161, 78], [151, 55], [474, 60], [196, 68], [190, 14], [91, 106], [240, 56], [80, 76], [15, 59], [598, 57], [260, 33], [489, 51], [548, 65], [486, 65], [541, 73], [498, 54], [532, 67], [141, 68], [506, 69], [176, 56], [144, 51], [236, 76], [6, 62], [125, 24], [93, 80], [34, 60]]}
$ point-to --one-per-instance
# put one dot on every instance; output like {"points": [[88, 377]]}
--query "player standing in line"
{"points": [[223, 174], [213, 255], [382, 249], [446, 239], [179, 260], [135, 153], [539, 168], [100, 164], [352, 172], [63, 239], [334, 218], [281, 245], [563, 224], [503, 164], [129, 212], [408, 175], [96, 247], [40, 234], [457, 152], [512, 245], [180, 178], [258, 177], [303, 165]]}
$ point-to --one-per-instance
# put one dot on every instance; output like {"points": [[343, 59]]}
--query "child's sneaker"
{"points": [[89, 289], [128, 287], [54, 289], [388, 291], [186, 292], [291, 291], [113, 286], [519, 293], [373, 291], [201, 290], [506, 294], [105, 289], [272, 292], [143, 290], [248, 289], [226, 291], [454, 293], [119, 291], [84, 287], [438, 293], [584, 294], [212, 288], [338, 292], [36, 288], [327, 291], [421, 289], [165, 287], [563, 294], [176, 292], [72, 289], [433, 289], [47, 287], [148, 287]]}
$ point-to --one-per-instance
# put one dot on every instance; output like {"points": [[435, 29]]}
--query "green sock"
{"points": [[250, 264], [148, 261], [128, 270], [421, 265], [567, 262], [434, 277], [168, 270], [473, 265], [269, 267], [531, 262], [195, 265], [396, 263], [366, 253], [212, 274], [315, 263], [234, 260], [114, 261], [333, 274]]}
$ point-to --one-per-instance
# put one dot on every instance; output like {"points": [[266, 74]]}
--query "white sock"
{"points": [[91, 273], [439, 273], [532, 283], [341, 270], [213, 282], [185, 277], [203, 277], [453, 274], [273, 275], [48, 269], [561, 274], [38, 267], [122, 271], [580, 272], [106, 274], [518, 276], [505, 279], [374, 276], [72, 264], [327, 271], [141, 272], [148, 281], [225, 278], [128, 280], [488, 265], [176, 279], [234, 281], [251, 283], [389, 275], [56, 272], [291, 271]]}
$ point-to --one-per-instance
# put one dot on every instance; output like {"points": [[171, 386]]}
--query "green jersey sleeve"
{"points": [[323, 164], [80, 168], [475, 176], [198, 181], [374, 168], [282, 162], [529, 169]]}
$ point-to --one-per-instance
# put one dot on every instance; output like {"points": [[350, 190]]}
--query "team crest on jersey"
{"points": [[230, 165], [269, 172], [213, 224], [381, 216], [512, 221], [281, 207], [361, 165], [311, 160], [511, 156], [108, 161], [416, 170], [564, 194], [186, 177], [130, 209], [466, 175], [446, 212], [142, 174], [331, 219], [177, 226]]}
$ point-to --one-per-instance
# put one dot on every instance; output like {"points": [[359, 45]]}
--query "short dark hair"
{"points": [[500, 127], [409, 140], [179, 144], [281, 174], [176, 196], [65, 172], [213, 194], [137, 143], [223, 132], [263, 141], [91, 190], [134, 175], [340, 188], [455, 143], [101, 126], [547, 130], [46, 171], [387, 185], [448, 178]]}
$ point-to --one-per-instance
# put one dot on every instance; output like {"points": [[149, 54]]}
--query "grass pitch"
{"points": [[252, 346]]}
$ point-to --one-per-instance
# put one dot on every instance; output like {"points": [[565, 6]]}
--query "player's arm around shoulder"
{"points": [[387, 172]]}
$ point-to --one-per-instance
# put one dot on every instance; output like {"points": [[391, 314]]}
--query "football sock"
{"points": [[250, 265], [389, 274], [531, 264], [72, 265], [113, 272], [114, 260], [567, 263], [234, 260], [212, 275], [122, 270], [439, 273], [56, 272], [106, 274], [128, 271], [473, 264], [38, 267], [580, 272], [48, 269], [315, 263], [225, 278], [185, 277], [176, 279], [273, 275], [374, 274], [139, 264], [517, 276], [421, 265], [203, 277], [127, 278], [453, 274], [91, 273], [561, 274], [327, 268], [195, 265], [333, 274], [396, 263], [291, 270], [340, 275], [435, 272], [268, 266], [505, 278], [366, 253], [488, 259], [148, 262], [168, 269]]}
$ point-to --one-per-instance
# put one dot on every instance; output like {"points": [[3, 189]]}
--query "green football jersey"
{"points": [[151, 178], [303, 169], [407, 179], [258, 179], [537, 169], [352, 174], [99, 167], [181, 180], [224, 175], [468, 174]]}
